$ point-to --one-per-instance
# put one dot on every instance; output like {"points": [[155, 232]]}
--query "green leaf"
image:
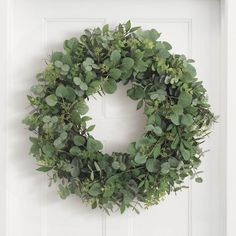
{"points": [[159, 94], [95, 190], [44, 168], [191, 70], [94, 204], [173, 162], [86, 118], [88, 62], [46, 119], [83, 86], [58, 64], [127, 63], [156, 150], [63, 135], [54, 119], [133, 29], [97, 166], [115, 73], [115, 165], [140, 158], [140, 104], [92, 175], [82, 108], [199, 180], [177, 109], [105, 28], [66, 59], [109, 86], [58, 143], [77, 80], [75, 150], [94, 145], [65, 67], [48, 149], [122, 166], [76, 116], [165, 168], [115, 57], [153, 165], [136, 93], [51, 100], [37, 89], [187, 119], [152, 34], [185, 99], [71, 44], [66, 92], [122, 208], [90, 128], [56, 56], [156, 129], [109, 190], [127, 25], [63, 191], [144, 141], [175, 142], [70, 94], [184, 152], [35, 149], [175, 119], [167, 45], [80, 83], [75, 168], [131, 149], [60, 91], [79, 140]]}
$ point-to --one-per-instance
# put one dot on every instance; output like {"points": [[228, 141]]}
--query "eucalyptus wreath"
{"points": [[178, 117]]}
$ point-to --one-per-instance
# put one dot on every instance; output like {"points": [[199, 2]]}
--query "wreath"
{"points": [[178, 117]]}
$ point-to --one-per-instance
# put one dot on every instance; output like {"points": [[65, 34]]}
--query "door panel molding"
{"points": [[3, 88]]}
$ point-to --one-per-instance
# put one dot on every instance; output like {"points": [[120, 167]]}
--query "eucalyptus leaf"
{"points": [[51, 100], [115, 56], [75, 168], [127, 63], [95, 190], [184, 152], [153, 165], [140, 158], [94, 145], [187, 119], [115, 73], [185, 99], [79, 140], [109, 86]]}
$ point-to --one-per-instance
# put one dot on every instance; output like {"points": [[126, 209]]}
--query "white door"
{"points": [[38, 27]]}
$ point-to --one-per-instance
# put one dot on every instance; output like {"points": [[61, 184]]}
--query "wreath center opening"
{"points": [[117, 120]]}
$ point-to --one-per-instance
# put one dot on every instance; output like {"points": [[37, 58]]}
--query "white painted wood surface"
{"points": [[35, 28], [229, 20]]}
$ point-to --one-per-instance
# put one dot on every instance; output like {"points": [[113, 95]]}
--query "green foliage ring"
{"points": [[165, 84]]}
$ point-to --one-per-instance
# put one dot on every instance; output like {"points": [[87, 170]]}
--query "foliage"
{"points": [[164, 84]]}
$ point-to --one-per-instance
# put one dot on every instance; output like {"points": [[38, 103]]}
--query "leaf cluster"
{"points": [[164, 84]]}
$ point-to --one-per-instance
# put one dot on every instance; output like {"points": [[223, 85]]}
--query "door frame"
{"points": [[227, 120]]}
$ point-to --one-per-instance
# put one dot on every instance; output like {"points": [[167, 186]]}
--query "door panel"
{"points": [[37, 29]]}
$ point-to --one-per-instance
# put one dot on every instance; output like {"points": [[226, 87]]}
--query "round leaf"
{"points": [[109, 86], [51, 100], [79, 140], [140, 158], [115, 73], [153, 165]]}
